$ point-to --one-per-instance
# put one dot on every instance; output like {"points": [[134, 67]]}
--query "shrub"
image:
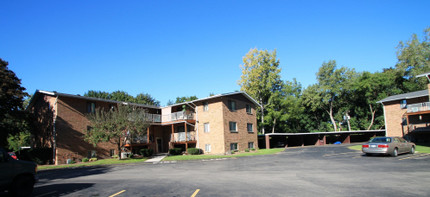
{"points": [[115, 156], [146, 152], [232, 152], [253, 149], [247, 150], [194, 151], [85, 159], [175, 151], [93, 159]]}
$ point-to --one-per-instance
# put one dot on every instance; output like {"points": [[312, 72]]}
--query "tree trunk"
{"points": [[274, 124], [262, 117], [119, 149], [373, 117], [330, 113], [347, 120]]}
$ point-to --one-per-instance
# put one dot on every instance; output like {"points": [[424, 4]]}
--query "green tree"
{"points": [[414, 59], [12, 117], [116, 125], [185, 99], [17, 141], [333, 85], [146, 99], [260, 79], [123, 96]]}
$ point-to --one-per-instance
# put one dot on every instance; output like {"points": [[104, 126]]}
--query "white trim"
{"points": [[385, 119]]}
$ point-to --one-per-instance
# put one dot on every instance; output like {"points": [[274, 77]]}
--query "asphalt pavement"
{"points": [[305, 171]]}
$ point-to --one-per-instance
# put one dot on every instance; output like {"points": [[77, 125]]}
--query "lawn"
{"points": [[244, 154], [93, 163], [425, 148]]}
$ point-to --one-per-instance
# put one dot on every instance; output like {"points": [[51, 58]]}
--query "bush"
{"points": [[247, 150], [253, 149], [175, 151], [85, 159], [115, 156], [232, 152], [93, 159], [194, 151], [39, 155], [146, 152]]}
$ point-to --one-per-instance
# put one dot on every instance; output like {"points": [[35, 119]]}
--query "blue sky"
{"points": [[184, 48]]}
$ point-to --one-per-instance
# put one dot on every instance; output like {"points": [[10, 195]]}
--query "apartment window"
{"points": [[403, 104], [92, 154], [232, 105], [233, 146], [250, 145], [205, 106], [206, 129], [233, 126], [248, 109], [207, 148], [91, 107], [249, 128]]}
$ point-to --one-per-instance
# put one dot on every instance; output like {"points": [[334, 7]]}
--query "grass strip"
{"points": [[202, 157], [93, 163]]}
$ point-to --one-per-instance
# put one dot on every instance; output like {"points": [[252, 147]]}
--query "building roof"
{"points": [[54, 93], [221, 95], [409, 95]]}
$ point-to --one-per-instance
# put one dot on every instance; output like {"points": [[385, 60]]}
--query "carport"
{"points": [[273, 140]]}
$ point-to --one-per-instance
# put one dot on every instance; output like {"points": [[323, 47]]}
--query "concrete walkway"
{"points": [[156, 158]]}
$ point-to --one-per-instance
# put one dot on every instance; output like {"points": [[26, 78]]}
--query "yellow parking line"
{"points": [[415, 156], [116, 194], [195, 193]]}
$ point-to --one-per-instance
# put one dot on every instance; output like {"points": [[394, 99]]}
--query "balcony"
{"points": [[419, 107], [177, 116], [180, 136]]}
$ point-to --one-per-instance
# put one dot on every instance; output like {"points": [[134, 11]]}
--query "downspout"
{"points": [[54, 133], [195, 126], [385, 119]]}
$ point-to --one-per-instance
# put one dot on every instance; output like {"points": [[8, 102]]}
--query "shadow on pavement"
{"points": [[60, 189], [47, 175]]}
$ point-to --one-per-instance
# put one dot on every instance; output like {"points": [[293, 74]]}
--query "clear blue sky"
{"points": [[184, 48]]}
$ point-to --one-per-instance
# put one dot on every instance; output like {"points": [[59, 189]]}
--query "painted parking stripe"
{"points": [[416, 156], [118, 193], [195, 193]]}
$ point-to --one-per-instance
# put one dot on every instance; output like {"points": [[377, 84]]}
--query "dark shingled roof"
{"points": [[409, 95]]}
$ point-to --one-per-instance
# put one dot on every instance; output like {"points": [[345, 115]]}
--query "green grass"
{"points": [[93, 163], [425, 148], [244, 154]]}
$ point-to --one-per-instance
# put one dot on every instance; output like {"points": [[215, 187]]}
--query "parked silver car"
{"points": [[388, 145]]}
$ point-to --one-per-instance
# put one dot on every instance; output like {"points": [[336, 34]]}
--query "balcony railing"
{"points": [[181, 115], [418, 107], [180, 136]]}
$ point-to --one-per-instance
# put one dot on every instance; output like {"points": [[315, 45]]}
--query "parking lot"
{"points": [[307, 171]]}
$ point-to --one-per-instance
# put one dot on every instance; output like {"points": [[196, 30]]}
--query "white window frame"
{"points": [[208, 148], [235, 126], [206, 127], [252, 127], [205, 106]]}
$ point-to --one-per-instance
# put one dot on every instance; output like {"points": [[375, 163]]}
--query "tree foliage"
{"points": [[142, 98], [13, 119], [116, 125], [261, 79]]}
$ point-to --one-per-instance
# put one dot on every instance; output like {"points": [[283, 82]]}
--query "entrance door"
{"points": [[159, 145]]}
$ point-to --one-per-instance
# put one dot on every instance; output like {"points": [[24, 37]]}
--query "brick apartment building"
{"points": [[408, 115], [218, 125]]}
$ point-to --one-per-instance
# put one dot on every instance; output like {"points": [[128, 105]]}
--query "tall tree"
{"points": [[120, 95], [116, 125], [12, 118], [260, 78], [414, 59], [333, 83], [185, 99]]}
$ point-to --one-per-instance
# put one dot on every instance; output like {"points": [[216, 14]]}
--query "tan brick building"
{"points": [[218, 125], [408, 115]]}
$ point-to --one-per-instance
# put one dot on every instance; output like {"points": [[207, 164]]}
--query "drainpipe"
{"points": [[54, 133], [196, 125]]}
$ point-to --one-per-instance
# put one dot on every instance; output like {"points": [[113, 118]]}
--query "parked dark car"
{"points": [[16, 176], [388, 146]]}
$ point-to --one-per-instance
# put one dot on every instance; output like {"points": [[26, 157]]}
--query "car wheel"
{"points": [[22, 186], [395, 153], [412, 150]]}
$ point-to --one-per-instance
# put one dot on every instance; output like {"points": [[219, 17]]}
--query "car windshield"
{"points": [[381, 139]]}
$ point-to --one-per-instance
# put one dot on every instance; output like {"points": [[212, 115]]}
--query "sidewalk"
{"points": [[156, 159]]}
